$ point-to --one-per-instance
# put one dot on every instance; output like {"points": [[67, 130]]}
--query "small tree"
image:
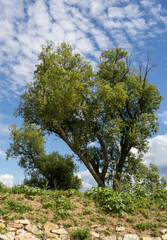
{"points": [[150, 177], [43, 170], [115, 107]]}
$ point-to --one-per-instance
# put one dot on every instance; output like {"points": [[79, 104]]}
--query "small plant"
{"points": [[75, 222], [4, 211], [107, 232], [80, 214], [155, 233], [18, 206], [120, 224], [87, 202], [3, 188], [102, 220], [3, 230], [141, 226], [131, 220], [68, 225], [146, 214], [88, 211], [81, 234], [93, 219], [161, 219], [50, 204], [27, 190]]}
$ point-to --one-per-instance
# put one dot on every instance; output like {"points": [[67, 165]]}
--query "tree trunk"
{"points": [[81, 156], [117, 176]]}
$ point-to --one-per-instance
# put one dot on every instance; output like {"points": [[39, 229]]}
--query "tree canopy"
{"points": [[42, 170], [101, 115]]}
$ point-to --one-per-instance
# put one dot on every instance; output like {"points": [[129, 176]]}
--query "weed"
{"points": [[27, 190], [131, 220], [87, 202], [146, 214], [120, 224], [155, 233], [107, 232], [81, 234], [75, 222], [80, 214], [3, 188], [88, 211], [18, 206], [102, 220], [141, 226], [68, 225], [3, 230], [161, 219], [4, 211], [93, 219]]}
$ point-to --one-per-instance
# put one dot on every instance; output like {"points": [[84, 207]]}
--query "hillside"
{"points": [[98, 213]]}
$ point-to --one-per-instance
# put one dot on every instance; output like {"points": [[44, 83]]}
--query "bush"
{"points": [[81, 234], [27, 190], [3, 188], [118, 202]]}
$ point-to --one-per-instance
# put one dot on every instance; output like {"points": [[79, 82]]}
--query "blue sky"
{"points": [[90, 26]]}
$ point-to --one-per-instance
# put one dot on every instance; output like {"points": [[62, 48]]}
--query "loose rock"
{"points": [[120, 229], [164, 237], [131, 237], [163, 231]]}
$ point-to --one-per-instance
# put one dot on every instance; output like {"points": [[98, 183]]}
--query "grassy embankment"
{"points": [[139, 211]]}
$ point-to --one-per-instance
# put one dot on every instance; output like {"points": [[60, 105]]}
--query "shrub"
{"points": [[81, 234]]}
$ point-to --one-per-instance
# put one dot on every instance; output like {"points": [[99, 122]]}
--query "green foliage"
{"points": [[93, 219], [87, 211], [114, 107], [44, 170], [3, 211], [3, 230], [26, 190], [58, 203], [81, 234], [160, 193], [110, 200], [150, 177], [131, 220], [18, 206], [3, 188], [141, 226], [63, 207], [102, 220], [139, 190], [135, 200]]}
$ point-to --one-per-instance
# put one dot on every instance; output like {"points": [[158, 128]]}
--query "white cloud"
{"points": [[87, 180], [7, 180], [147, 3], [4, 129], [158, 151], [164, 117], [3, 126], [2, 154], [87, 25]]}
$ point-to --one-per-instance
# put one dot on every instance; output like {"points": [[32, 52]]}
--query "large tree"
{"points": [[114, 108], [42, 170]]}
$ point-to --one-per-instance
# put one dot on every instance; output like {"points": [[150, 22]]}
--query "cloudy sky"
{"points": [[90, 26]]}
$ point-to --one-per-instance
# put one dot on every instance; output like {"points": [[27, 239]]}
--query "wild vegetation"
{"points": [[139, 210]]}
